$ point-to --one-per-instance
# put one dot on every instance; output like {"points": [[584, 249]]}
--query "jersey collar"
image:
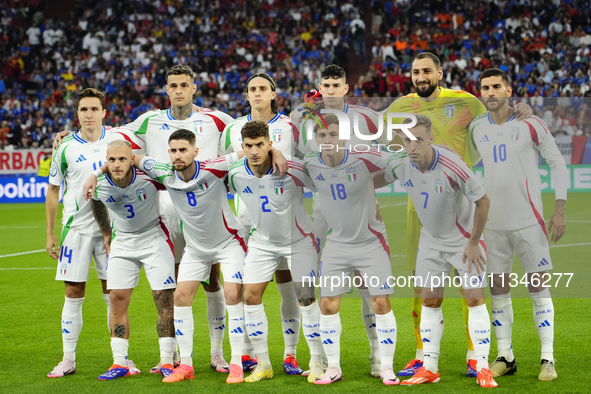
{"points": [[249, 171], [342, 161], [273, 119], [197, 170], [512, 117], [169, 114], [78, 136]]}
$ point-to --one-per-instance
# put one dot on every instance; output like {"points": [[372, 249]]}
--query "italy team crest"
{"points": [[351, 174], [278, 187], [198, 126], [277, 134], [515, 133], [141, 194], [203, 185], [438, 186], [450, 110]]}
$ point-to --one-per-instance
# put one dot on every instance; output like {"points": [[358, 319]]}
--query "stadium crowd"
{"points": [[125, 49]]}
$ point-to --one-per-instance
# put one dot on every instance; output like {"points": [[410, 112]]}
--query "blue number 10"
{"points": [[502, 152]]}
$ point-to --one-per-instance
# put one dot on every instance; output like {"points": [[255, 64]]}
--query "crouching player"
{"points": [[356, 241], [444, 191], [138, 239], [281, 228]]}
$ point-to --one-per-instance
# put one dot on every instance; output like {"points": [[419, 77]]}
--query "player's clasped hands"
{"points": [[473, 255]]}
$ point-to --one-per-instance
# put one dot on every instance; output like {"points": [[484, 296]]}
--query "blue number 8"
{"points": [[191, 199], [265, 203], [130, 210]]}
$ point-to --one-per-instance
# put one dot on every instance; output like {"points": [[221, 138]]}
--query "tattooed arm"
{"points": [[101, 215]]}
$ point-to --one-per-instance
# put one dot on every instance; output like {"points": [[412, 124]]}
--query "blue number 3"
{"points": [[130, 210]]}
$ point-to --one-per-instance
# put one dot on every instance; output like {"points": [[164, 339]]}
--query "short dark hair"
{"points": [[255, 129], [183, 134], [91, 92], [267, 77], [333, 71], [428, 55], [180, 69], [327, 119], [494, 72]]}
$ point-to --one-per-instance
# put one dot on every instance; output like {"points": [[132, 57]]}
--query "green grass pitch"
{"points": [[31, 304]]}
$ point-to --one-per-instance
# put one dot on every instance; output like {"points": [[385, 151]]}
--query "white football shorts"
{"points": [[75, 254], [196, 266]]}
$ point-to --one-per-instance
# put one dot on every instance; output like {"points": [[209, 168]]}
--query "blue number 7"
{"points": [[426, 199]]}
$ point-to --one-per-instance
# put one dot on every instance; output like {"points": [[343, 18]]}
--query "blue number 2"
{"points": [[265, 203], [426, 199], [130, 210]]}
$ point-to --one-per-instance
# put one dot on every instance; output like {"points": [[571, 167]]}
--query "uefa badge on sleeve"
{"points": [[351, 174], [515, 134], [450, 110], [277, 133], [278, 188], [141, 194], [439, 186]]}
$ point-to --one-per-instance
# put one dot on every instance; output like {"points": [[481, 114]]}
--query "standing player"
{"points": [[138, 239], [356, 241], [510, 152], [451, 111], [261, 92], [333, 88], [446, 191], [154, 128], [81, 239], [280, 228]]}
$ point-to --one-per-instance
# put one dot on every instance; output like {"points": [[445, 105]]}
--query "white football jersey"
{"points": [[346, 195], [510, 154], [133, 210], [281, 131], [207, 221], [155, 127], [369, 123], [73, 161], [276, 204], [444, 197]]}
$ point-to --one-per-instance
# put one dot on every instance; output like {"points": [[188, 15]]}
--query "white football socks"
{"points": [[216, 319], [120, 348], [386, 331], [330, 333], [479, 327], [431, 332], [544, 320], [167, 346], [311, 327], [71, 326], [290, 317], [502, 322], [369, 322], [236, 331], [184, 327], [257, 327]]}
